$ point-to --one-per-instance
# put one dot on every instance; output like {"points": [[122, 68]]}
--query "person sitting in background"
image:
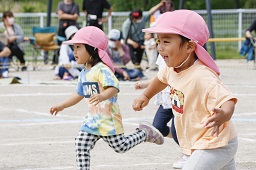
{"points": [[4, 60], [151, 51], [120, 56], [15, 36], [67, 68], [133, 35], [250, 29], [247, 48]]}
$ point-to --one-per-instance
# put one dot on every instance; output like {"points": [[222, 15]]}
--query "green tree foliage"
{"points": [[124, 5], [6, 5], [128, 5], [250, 4]]}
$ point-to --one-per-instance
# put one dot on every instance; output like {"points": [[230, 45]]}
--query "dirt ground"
{"points": [[32, 139]]}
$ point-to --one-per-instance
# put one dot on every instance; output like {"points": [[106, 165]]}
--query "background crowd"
{"points": [[135, 45]]}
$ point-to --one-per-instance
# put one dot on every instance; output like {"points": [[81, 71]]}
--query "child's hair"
{"points": [[93, 52], [183, 40]]}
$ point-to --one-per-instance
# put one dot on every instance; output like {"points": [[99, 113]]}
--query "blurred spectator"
{"points": [[151, 51], [249, 31], [133, 35], [68, 13], [14, 35], [4, 60], [67, 68], [167, 6], [119, 54], [93, 11]]}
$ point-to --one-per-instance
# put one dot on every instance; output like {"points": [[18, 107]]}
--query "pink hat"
{"points": [[94, 37], [190, 25]]}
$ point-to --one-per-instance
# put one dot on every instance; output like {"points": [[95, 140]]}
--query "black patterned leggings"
{"points": [[85, 142]]}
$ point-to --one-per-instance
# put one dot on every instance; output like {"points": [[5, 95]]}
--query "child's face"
{"points": [[80, 53], [169, 48]]}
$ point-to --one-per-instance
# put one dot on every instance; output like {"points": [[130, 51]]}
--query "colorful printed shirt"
{"points": [[104, 119], [195, 92]]}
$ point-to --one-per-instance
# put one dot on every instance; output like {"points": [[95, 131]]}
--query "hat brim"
{"points": [[73, 42], [204, 56]]}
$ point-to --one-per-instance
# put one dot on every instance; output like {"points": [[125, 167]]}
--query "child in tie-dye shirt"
{"points": [[99, 86]]}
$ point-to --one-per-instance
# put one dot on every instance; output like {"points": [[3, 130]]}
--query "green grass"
{"points": [[228, 54]]}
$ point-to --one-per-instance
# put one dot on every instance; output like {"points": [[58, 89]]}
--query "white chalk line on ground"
{"points": [[44, 138], [122, 84], [38, 143], [54, 94], [250, 140], [52, 168], [244, 114], [99, 166], [57, 120], [132, 165]]}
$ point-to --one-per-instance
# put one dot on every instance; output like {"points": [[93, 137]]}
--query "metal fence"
{"points": [[226, 24]]}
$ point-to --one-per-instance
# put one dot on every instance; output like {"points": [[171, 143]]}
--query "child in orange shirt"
{"points": [[198, 96]]}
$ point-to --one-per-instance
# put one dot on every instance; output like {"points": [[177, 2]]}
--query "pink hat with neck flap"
{"points": [[94, 37], [190, 25]]}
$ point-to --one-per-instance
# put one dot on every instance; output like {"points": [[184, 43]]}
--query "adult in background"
{"points": [[15, 36], [67, 68], [4, 60], [120, 56], [167, 6], [133, 35], [68, 13], [93, 10], [249, 30]]}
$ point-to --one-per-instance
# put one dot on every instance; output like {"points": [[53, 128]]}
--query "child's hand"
{"points": [[140, 103], [95, 99], [55, 109], [140, 85], [215, 120], [137, 86]]}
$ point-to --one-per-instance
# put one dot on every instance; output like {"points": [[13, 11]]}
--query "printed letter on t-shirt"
{"points": [[90, 88]]}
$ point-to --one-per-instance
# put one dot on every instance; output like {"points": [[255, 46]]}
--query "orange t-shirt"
{"points": [[194, 93]]}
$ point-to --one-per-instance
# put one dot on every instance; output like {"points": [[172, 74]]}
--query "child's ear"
{"points": [[191, 46]]}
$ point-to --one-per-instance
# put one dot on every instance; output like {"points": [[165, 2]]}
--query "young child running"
{"points": [[98, 85], [198, 96]]}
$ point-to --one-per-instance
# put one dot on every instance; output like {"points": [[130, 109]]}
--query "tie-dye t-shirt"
{"points": [[104, 119]]}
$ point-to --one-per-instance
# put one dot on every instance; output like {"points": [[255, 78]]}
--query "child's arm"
{"points": [[220, 116], [154, 87], [72, 100], [108, 93]]}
